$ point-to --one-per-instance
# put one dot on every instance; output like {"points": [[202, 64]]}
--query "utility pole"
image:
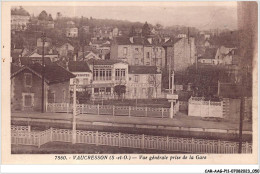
{"points": [[170, 73], [74, 112], [43, 37], [241, 118]]}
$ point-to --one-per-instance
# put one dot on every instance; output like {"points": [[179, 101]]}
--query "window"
{"points": [[136, 61], [102, 90], [85, 81], [96, 74], [148, 55], [108, 74], [96, 90], [148, 63], [51, 97], [120, 74], [125, 51], [117, 74], [27, 79], [136, 78], [151, 79], [143, 91], [102, 74], [135, 92], [64, 95], [136, 49], [28, 99], [108, 90]]}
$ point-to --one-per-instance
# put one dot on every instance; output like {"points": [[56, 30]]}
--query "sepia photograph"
{"points": [[129, 79]]}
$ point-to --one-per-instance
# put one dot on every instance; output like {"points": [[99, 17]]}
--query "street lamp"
{"points": [[43, 37]]}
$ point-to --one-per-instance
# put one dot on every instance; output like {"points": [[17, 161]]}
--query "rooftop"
{"points": [[171, 42], [78, 66], [103, 62], [30, 60], [53, 72], [143, 70], [210, 53], [136, 41]]}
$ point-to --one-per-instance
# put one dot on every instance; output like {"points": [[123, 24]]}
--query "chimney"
{"points": [[150, 40], [131, 39]]}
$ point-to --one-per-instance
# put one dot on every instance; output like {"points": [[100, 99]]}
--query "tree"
{"points": [[132, 31], [119, 90], [155, 82], [43, 15], [146, 30]]}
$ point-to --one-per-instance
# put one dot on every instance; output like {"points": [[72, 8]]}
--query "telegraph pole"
{"points": [[241, 118], [74, 112], [43, 37]]}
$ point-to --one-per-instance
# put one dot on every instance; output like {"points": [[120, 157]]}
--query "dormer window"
{"points": [[27, 79]]}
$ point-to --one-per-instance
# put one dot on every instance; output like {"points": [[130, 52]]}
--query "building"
{"points": [[70, 24], [102, 33], [209, 57], [15, 56], [26, 83], [47, 42], [88, 55], [25, 61], [182, 36], [137, 51], [106, 75], [64, 49], [115, 32], [219, 56], [86, 29], [83, 75], [144, 82], [96, 44], [72, 32], [19, 19], [179, 53], [225, 55], [36, 54]]}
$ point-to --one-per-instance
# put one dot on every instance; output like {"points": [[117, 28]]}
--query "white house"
{"points": [[72, 32], [83, 75], [107, 75], [144, 82]]}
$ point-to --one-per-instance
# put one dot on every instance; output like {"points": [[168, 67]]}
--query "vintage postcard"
{"points": [[129, 82]]}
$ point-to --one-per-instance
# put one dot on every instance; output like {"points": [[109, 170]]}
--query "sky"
{"points": [[202, 16]]}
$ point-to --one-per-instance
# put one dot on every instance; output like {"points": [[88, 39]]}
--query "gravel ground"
{"points": [[68, 148]]}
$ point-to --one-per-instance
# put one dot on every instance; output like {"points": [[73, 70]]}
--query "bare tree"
{"points": [[153, 81]]}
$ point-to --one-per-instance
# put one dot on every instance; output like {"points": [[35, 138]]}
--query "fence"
{"points": [[189, 145], [201, 108], [113, 110], [20, 128]]}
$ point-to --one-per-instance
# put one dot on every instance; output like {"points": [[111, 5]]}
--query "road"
{"points": [[181, 120]]}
